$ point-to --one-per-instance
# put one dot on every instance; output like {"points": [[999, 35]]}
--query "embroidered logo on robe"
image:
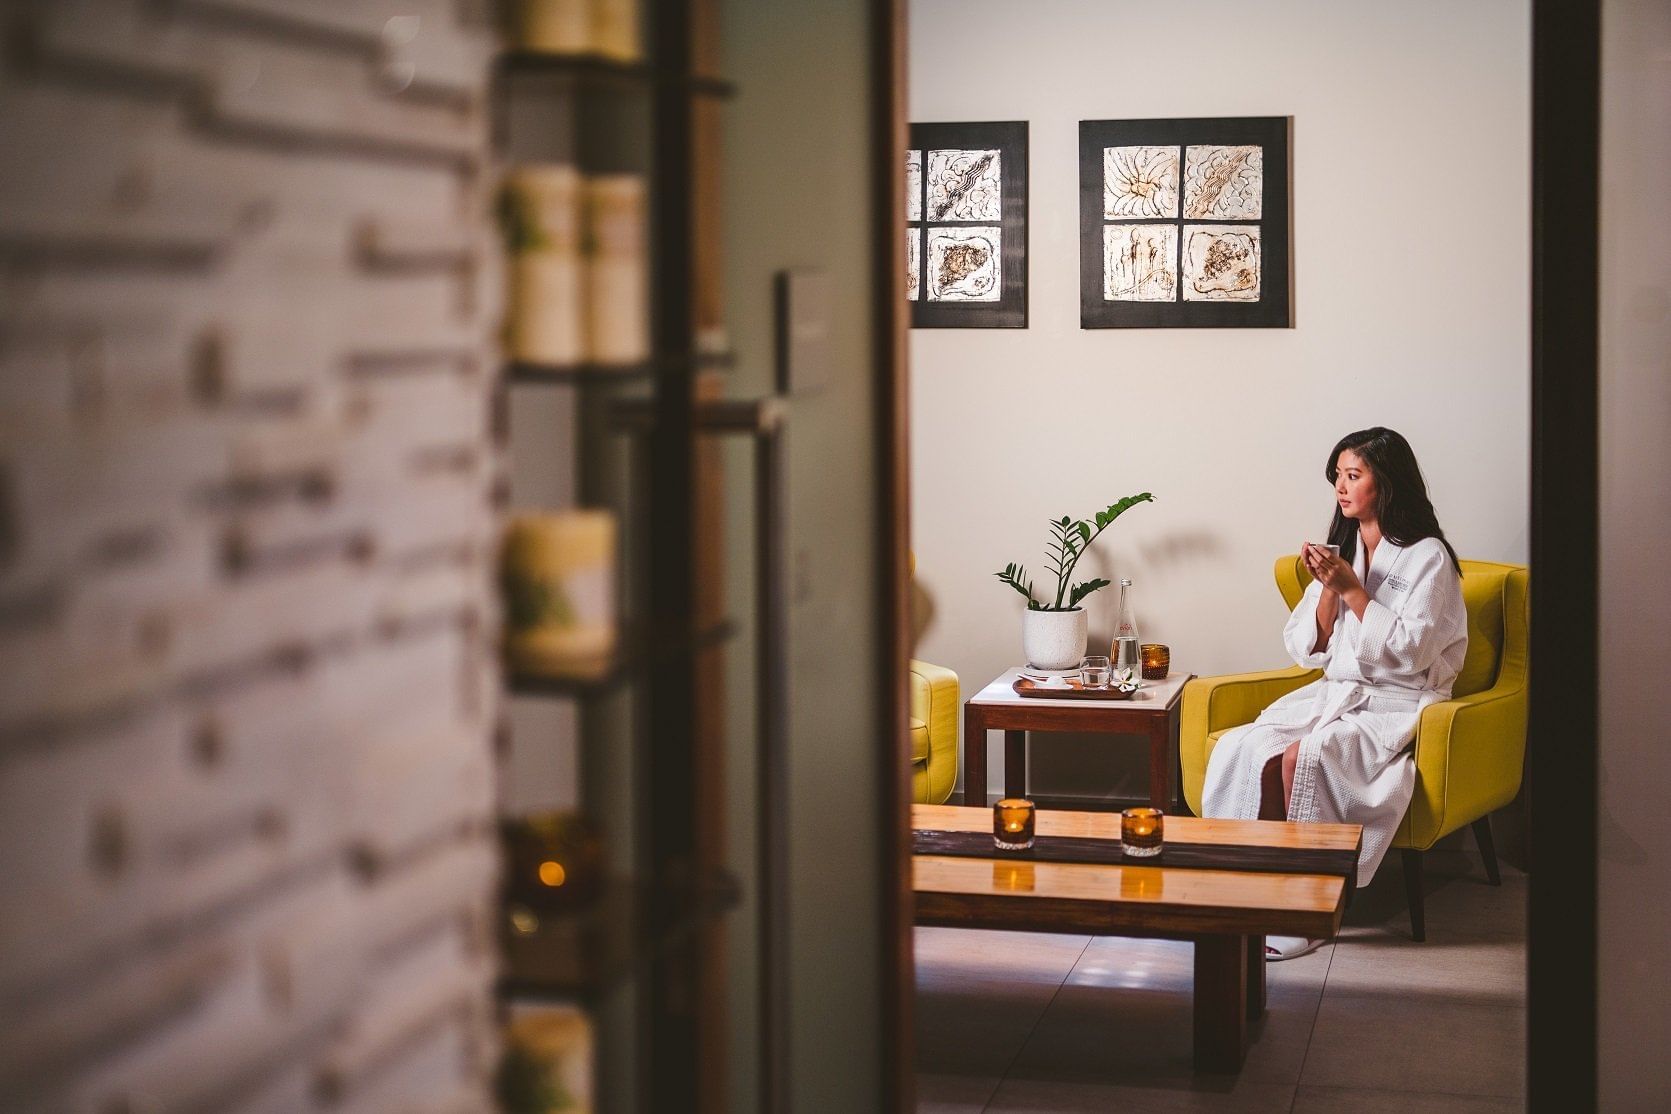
{"points": [[1398, 583]]}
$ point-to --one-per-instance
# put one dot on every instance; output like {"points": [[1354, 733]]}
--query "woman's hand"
{"points": [[1328, 602], [1316, 558]]}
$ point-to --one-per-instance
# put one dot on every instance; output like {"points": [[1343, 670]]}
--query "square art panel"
{"points": [[1185, 223], [965, 264], [1139, 182], [1140, 262], [966, 240], [1221, 263], [965, 185], [1223, 183], [913, 262]]}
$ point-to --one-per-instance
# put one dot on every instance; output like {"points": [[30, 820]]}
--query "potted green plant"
{"points": [[1053, 632]]}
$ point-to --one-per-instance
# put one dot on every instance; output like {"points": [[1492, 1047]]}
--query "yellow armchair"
{"points": [[1470, 750], [933, 733]]}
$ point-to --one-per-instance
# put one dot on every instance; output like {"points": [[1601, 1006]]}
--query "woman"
{"points": [[1384, 621]]}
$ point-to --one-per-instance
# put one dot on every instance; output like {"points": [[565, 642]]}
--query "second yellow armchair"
{"points": [[933, 733]]}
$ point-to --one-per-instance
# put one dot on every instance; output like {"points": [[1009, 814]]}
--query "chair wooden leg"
{"points": [[1413, 894], [1488, 850]]}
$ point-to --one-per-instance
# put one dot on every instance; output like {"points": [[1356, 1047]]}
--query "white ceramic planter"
{"points": [[1054, 639]]}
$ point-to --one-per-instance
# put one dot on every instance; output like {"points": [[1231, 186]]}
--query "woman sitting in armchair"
{"points": [[1384, 620]]}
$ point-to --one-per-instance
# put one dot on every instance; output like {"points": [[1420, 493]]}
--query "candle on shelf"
{"points": [[549, 1050], [615, 30], [558, 574], [1012, 824], [540, 212], [1140, 832], [1157, 661], [552, 26], [553, 861], [617, 269]]}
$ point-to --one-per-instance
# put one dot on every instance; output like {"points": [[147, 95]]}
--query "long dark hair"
{"points": [[1402, 507]]}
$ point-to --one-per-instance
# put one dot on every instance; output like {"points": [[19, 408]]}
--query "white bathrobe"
{"points": [[1355, 725]]}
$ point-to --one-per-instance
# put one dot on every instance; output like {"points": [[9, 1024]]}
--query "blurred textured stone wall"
{"points": [[246, 682]]}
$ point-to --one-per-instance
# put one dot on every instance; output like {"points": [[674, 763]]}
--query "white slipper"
{"points": [[1278, 948]]}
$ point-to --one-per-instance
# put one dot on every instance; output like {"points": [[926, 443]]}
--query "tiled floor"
{"points": [[1010, 1022]]}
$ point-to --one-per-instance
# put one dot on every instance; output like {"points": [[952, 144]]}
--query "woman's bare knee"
{"points": [[1290, 760], [1272, 796]]}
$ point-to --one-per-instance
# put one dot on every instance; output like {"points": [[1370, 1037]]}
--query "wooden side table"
{"points": [[1152, 711]]}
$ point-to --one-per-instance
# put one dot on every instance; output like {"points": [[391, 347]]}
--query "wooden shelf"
{"points": [[582, 956], [609, 374], [665, 945], [637, 654], [607, 73]]}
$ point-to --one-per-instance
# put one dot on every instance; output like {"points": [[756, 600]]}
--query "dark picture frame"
{"points": [[1230, 264], [940, 232]]}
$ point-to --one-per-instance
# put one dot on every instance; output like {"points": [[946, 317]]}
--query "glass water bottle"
{"points": [[1127, 666]]}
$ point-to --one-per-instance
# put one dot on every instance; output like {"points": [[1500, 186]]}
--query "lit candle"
{"points": [[1157, 661], [1012, 824], [553, 861], [1140, 832]]}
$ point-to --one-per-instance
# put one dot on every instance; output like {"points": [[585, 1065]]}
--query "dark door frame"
{"points": [[892, 427], [1561, 1054]]}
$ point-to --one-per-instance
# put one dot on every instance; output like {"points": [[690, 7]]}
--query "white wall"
{"points": [[1634, 860], [1411, 247]]}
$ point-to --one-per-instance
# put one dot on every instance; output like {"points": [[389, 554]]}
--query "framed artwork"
{"points": [[1184, 223], [966, 236]]}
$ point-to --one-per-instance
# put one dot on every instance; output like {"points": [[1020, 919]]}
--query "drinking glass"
{"points": [[1093, 672]]}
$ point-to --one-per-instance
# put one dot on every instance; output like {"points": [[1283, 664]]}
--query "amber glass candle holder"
{"points": [[1012, 824], [1157, 661], [1140, 832], [553, 860]]}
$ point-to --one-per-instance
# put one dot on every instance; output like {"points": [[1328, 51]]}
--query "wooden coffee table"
{"points": [[1152, 712], [1226, 913]]}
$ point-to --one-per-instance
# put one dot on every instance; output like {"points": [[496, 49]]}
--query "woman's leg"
{"points": [[1288, 947], [1273, 796], [1290, 759]]}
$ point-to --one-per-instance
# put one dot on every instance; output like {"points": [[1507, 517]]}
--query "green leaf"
{"points": [[1084, 531], [1016, 577], [1116, 509], [1080, 591]]}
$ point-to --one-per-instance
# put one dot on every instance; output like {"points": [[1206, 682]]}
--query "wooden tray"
{"points": [[1074, 691]]}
